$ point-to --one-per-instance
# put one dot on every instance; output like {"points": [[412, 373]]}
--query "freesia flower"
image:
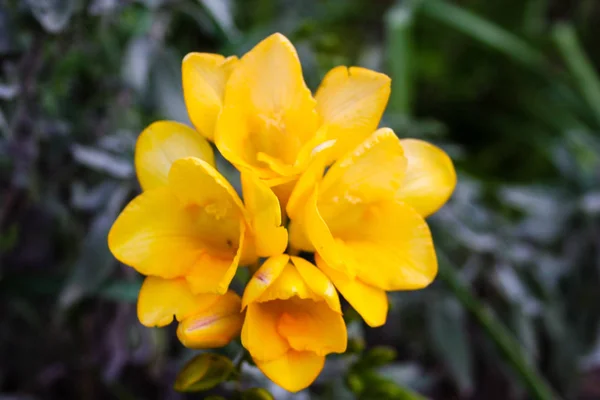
{"points": [[271, 124], [293, 320], [205, 320], [365, 218]]}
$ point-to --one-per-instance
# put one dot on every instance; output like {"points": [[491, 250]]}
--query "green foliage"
{"points": [[509, 89]]}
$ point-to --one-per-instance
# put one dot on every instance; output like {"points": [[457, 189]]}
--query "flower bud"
{"points": [[203, 372], [213, 327]]}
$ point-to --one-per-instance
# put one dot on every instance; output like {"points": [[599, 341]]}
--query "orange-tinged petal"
{"points": [[370, 302], [160, 144], [213, 273], [264, 277], [161, 299], [312, 326], [391, 248], [351, 102], [294, 371], [204, 76], [317, 282], [374, 170], [215, 326], [265, 216], [155, 235], [259, 333], [430, 177]]}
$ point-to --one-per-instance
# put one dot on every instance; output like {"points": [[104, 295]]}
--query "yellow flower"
{"points": [[205, 320], [271, 124], [365, 218], [293, 320], [189, 222]]}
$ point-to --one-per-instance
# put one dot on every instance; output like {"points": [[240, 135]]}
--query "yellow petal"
{"points": [[351, 102], [390, 247], [269, 113], [214, 326], [372, 171], [204, 76], [320, 235], [265, 216], [196, 182], [156, 235], [259, 333], [298, 238], [430, 177], [161, 299], [264, 277], [288, 284], [294, 371], [160, 144], [370, 302], [212, 272], [312, 326], [305, 185], [318, 282]]}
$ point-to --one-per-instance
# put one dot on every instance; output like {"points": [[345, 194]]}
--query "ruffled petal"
{"points": [[214, 326], [264, 277], [293, 371], [430, 177], [259, 333], [317, 282], [204, 76], [372, 171], [161, 299], [351, 102], [368, 301], [265, 215], [160, 144]]}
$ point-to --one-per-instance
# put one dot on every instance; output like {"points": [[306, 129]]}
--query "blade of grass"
{"points": [[485, 32], [399, 28], [508, 346], [579, 65]]}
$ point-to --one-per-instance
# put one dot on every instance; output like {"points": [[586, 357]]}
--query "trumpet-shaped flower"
{"points": [[293, 320], [365, 219], [193, 227], [271, 124], [205, 320]]}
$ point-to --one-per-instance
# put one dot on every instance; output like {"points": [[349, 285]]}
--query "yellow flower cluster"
{"points": [[316, 177]]}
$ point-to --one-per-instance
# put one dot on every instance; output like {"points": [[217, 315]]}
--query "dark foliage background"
{"points": [[509, 88]]}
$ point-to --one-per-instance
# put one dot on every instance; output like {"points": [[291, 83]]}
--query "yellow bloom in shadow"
{"points": [[293, 320], [365, 218]]}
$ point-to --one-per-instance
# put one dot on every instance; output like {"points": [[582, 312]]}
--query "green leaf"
{"points": [[485, 32], [257, 394], [448, 332], [579, 65], [508, 346], [399, 31]]}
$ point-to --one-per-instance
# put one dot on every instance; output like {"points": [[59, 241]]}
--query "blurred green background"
{"points": [[509, 88]]}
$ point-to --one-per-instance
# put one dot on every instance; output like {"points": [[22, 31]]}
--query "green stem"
{"points": [[509, 347]]}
